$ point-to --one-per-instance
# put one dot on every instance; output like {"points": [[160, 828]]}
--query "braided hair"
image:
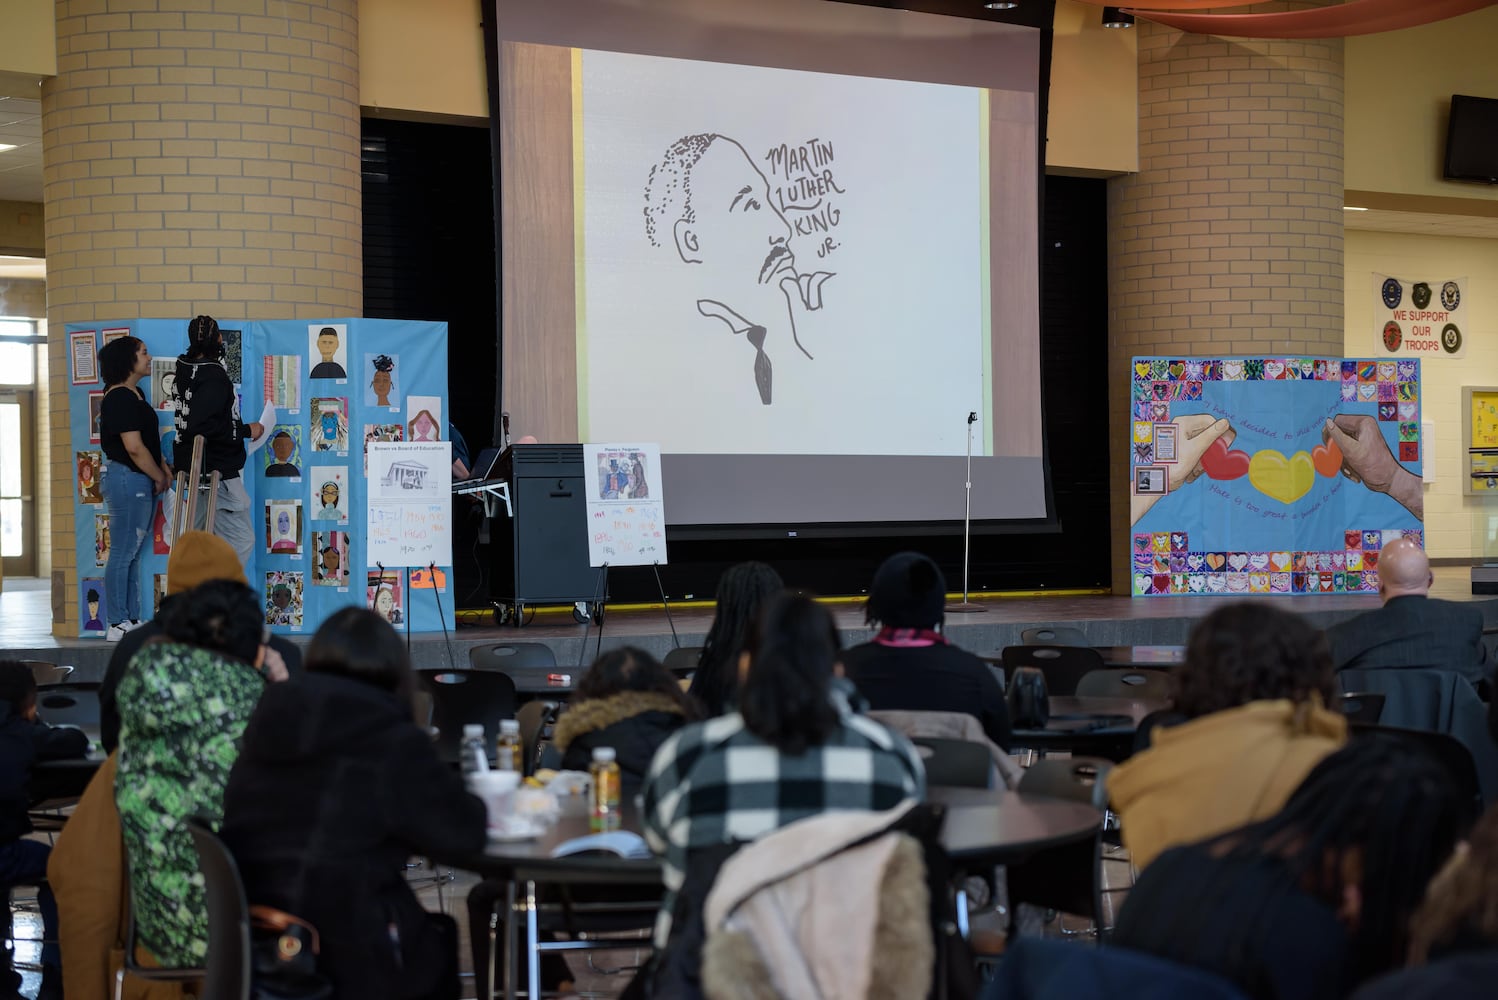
{"points": [[742, 591], [1378, 816], [203, 340]]}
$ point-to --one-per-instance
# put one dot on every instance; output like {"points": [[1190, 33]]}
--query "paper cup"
{"points": [[497, 789]]}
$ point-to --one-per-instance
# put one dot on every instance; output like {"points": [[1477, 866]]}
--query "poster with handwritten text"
{"points": [[409, 504], [626, 509], [1271, 475]]}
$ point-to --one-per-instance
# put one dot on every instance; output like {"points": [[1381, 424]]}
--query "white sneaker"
{"points": [[117, 632]]}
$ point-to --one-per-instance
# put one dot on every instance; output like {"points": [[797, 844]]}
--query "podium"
{"points": [[541, 555]]}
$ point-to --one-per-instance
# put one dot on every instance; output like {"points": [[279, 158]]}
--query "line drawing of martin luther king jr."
{"points": [[708, 201]]}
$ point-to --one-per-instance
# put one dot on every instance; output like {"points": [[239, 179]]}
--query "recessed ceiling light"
{"points": [[1001, 4], [1115, 18]]}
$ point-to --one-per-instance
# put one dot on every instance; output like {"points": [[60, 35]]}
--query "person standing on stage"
{"points": [[208, 408]]}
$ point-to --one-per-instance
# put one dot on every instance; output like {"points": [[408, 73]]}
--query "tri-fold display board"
{"points": [[1271, 475], [339, 387]]}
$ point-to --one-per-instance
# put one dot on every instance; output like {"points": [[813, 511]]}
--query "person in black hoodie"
{"points": [[909, 664], [335, 787], [24, 740], [627, 701], [207, 407]]}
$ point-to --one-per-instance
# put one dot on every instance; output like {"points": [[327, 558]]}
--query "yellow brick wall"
{"points": [[1228, 241], [202, 156]]}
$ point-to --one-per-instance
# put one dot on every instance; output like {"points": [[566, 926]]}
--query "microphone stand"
{"points": [[966, 606]]}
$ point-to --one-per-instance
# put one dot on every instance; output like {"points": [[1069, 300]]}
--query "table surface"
{"points": [[1142, 656], [1070, 713], [994, 826]]}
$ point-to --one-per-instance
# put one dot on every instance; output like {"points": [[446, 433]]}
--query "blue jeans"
{"points": [[128, 495]]}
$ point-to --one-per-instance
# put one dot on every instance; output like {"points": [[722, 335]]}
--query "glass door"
{"points": [[18, 527]]}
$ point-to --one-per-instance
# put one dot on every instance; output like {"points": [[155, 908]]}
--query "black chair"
{"points": [[955, 763], [1053, 635], [537, 719], [46, 673], [682, 660], [1063, 666], [69, 705], [227, 975], [131, 967], [1449, 751], [1068, 878], [1152, 685], [511, 655], [1362, 706], [464, 697]]}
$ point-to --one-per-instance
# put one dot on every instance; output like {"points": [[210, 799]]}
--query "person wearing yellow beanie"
{"points": [[197, 557]]}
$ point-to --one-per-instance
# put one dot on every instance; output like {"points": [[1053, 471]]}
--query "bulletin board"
{"points": [[337, 385], [1271, 475]]}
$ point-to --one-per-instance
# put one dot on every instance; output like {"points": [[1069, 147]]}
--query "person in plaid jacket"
{"points": [[795, 748]]}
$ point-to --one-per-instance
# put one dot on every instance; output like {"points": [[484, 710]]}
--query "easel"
{"points": [[185, 514]]}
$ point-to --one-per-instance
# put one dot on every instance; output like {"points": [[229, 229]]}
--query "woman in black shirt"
{"points": [[133, 475]]}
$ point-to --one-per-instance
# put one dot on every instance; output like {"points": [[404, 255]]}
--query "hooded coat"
{"points": [[634, 723], [334, 789]]}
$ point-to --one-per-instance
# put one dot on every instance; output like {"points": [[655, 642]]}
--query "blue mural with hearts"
{"points": [[1271, 475]]}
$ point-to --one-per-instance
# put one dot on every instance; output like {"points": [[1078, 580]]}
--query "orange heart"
{"points": [[1327, 458]]}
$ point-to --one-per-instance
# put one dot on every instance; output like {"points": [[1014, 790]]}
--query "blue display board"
{"points": [[1271, 475], [336, 384]]}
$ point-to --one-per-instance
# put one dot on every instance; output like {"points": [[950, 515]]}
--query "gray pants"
{"points": [[231, 522]]}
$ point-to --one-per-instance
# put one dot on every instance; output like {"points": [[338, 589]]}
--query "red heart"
{"points": [[1219, 463], [1327, 458]]}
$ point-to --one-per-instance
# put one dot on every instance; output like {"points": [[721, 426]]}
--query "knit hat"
{"points": [[908, 592], [198, 557]]}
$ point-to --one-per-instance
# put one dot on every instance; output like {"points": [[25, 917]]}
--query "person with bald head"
{"points": [[1412, 630]]}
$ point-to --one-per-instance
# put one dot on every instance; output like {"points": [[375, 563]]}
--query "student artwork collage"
{"points": [[335, 385], [1271, 475]]}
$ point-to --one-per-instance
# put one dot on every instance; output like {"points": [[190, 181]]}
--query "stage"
{"points": [[26, 623]]}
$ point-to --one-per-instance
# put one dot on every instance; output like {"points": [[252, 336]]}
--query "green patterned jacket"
{"points": [[182, 711]]}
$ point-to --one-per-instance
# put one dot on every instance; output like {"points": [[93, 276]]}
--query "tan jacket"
{"points": [[952, 726], [1219, 772], [87, 875], [825, 907]]}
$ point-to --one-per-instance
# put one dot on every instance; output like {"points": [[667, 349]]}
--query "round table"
{"points": [[1100, 727]]}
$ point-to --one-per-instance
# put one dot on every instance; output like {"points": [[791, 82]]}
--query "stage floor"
{"points": [[26, 624]]}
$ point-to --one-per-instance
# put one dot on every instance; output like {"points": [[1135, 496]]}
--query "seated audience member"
{"points": [[183, 703], [627, 701], [742, 590], [1454, 933], [196, 557], [1254, 688], [25, 740], [1314, 900], [334, 789], [909, 664], [1412, 629], [793, 749]]}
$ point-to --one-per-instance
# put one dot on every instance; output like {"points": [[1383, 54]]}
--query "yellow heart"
{"points": [[1284, 479]]}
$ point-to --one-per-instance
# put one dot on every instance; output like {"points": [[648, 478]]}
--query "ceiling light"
{"points": [[1116, 18], [1001, 4], [1353, 208], [6, 147]]}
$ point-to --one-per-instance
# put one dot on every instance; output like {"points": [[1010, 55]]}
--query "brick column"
{"points": [[1228, 241], [201, 156]]}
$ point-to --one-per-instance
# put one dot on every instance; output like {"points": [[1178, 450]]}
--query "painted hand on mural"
{"points": [[1366, 459], [1198, 432]]}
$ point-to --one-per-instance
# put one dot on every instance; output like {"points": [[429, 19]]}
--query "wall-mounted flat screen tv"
{"points": [[1472, 139]]}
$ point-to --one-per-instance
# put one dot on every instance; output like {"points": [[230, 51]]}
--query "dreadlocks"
{"points": [[742, 590], [1379, 816]]}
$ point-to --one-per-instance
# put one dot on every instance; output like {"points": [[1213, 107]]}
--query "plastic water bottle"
{"points": [[472, 756], [605, 772], [509, 757]]}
